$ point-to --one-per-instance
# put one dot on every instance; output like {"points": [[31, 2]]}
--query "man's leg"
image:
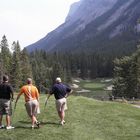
{"points": [[1, 116], [34, 120], [60, 106], [61, 115], [1, 126], [33, 116], [8, 120]]}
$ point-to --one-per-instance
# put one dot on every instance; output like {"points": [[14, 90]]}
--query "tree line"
{"points": [[43, 67], [127, 76], [14, 63]]}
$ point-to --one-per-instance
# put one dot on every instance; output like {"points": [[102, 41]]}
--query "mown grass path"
{"points": [[86, 119]]}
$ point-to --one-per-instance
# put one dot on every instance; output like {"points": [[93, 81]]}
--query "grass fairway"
{"points": [[95, 86], [86, 119]]}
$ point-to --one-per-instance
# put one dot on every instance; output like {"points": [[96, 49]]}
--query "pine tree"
{"points": [[136, 72], [127, 76], [122, 77], [1, 68], [16, 66], [26, 70], [5, 57]]}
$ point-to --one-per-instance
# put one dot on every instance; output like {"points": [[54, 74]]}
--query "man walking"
{"points": [[6, 96], [31, 95], [60, 92]]}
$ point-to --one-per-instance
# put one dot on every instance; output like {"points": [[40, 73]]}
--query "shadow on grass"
{"points": [[24, 122], [25, 127], [49, 123], [41, 124]]}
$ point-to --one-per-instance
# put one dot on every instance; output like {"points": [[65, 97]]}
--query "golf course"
{"points": [[86, 119]]}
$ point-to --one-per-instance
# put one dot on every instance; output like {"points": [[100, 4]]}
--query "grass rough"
{"points": [[86, 119]]}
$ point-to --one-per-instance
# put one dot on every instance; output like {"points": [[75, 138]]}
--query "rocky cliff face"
{"points": [[88, 10], [95, 25]]}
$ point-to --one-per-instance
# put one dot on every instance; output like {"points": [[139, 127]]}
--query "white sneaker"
{"points": [[62, 122], [10, 127], [1, 126]]}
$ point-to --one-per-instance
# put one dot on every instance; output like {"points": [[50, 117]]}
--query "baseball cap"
{"points": [[58, 79]]}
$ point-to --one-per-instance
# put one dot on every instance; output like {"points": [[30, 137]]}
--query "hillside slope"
{"points": [[96, 25], [86, 119]]}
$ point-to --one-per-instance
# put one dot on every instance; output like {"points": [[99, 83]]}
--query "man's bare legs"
{"points": [[33, 118], [1, 116], [8, 120]]}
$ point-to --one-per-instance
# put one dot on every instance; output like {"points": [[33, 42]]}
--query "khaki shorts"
{"points": [[61, 104], [5, 107], [32, 107]]}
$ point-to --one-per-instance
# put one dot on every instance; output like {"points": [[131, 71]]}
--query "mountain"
{"points": [[95, 25]]}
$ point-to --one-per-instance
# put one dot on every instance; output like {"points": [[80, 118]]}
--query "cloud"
{"points": [[30, 20]]}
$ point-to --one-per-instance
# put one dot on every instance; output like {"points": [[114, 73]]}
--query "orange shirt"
{"points": [[30, 92]]}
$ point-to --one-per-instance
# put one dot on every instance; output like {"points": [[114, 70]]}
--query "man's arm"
{"points": [[12, 96], [18, 96], [37, 94], [11, 93], [68, 93]]}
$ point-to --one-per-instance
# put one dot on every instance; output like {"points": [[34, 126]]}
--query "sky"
{"points": [[30, 20]]}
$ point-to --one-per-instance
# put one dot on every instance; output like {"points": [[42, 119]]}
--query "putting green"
{"points": [[94, 85]]}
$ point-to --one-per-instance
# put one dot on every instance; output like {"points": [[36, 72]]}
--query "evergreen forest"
{"points": [[44, 67], [127, 76]]}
